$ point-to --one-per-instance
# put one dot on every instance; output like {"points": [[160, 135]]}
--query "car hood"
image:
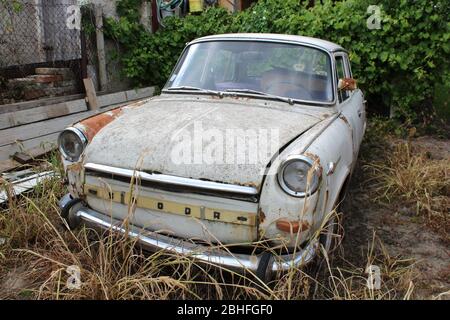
{"points": [[200, 137]]}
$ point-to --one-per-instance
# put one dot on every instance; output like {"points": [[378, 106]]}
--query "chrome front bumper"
{"points": [[210, 255]]}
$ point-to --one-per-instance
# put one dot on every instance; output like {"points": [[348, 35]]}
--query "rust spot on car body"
{"points": [[75, 173], [344, 118], [248, 184], [261, 216], [317, 166], [313, 156], [75, 167], [91, 126]]}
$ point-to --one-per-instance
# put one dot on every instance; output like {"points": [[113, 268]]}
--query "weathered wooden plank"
{"points": [[13, 119], [13, 107], [42, 128], [37, 129], [19, 106], [8, 164], [101, 54], [90, 94], [38, 145], [22, 157], [112, 98], [37, 138], [141, 93]]}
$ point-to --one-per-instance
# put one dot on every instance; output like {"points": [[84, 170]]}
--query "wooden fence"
{"points": [[30, 129]]}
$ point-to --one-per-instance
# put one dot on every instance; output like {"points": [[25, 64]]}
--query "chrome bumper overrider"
{"points": [[216, 256]]}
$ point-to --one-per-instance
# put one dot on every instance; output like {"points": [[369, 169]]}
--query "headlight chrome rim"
{"points": [[283, 184], [80, 135]]}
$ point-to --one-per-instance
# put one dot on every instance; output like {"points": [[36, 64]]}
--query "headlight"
{"points": [[293, 176], [72, 143]]}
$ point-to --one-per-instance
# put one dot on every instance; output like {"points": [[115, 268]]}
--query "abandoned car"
{"points": [[238, 163]]}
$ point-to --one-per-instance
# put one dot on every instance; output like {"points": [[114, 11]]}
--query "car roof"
{"points": [[323, 44]]}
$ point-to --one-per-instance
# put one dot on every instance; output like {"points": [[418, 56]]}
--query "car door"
{"points": [[350, 103]]}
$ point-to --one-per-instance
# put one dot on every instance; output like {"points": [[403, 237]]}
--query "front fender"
{"points": [[330, 143], [90, 127]]}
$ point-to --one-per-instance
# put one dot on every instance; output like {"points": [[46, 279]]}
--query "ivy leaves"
{"points": [[401, 61]]}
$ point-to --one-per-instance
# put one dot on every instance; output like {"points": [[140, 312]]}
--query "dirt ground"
{"points": [[400, 230]]}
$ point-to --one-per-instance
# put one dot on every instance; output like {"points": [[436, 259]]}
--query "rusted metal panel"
{"points": [[92, 125], [150, 133]]}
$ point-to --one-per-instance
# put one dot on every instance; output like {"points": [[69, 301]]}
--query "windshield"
{"points": [[246, 67]]}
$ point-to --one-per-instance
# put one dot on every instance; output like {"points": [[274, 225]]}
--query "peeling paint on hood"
{"points": [[145, 138]]}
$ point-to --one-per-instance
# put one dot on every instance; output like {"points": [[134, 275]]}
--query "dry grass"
{"points": [[37, 248], [411, 177]]}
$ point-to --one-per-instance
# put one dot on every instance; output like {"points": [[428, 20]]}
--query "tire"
{"points": [[72, 223], [264, 271], [327, 240]]}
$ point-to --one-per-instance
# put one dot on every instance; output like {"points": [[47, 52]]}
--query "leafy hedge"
{"points": [[397, 65]]}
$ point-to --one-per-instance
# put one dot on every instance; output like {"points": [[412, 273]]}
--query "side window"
{"points": [[350, 74], [341, 73]]}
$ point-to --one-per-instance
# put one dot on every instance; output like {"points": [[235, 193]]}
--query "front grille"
{"points": [[197, 186]]}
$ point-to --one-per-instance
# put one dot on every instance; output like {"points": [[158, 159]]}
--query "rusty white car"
{"points": [[239, 161]]}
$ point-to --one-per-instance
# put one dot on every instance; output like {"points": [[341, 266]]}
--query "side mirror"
{"points": [[348, 84]]}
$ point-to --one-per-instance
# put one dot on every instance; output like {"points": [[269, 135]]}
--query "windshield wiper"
{"points": [[272, 96], [194, 89]]}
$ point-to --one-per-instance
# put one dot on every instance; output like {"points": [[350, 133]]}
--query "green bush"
{"points": [[397, 65]]}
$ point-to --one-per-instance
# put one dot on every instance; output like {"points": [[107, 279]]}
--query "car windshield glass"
{"points": [[276, 69]]}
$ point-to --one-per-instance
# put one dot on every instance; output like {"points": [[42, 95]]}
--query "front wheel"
{"points": [[264, 270], [330, 235], [67, 212]]}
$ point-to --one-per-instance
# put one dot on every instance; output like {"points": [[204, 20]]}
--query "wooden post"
{"points": [[155, 24], [84, 57], [91, 96], [146, 15], [101, 47]]}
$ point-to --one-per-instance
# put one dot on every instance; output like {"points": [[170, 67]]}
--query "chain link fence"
{"points": [[45, 33]]}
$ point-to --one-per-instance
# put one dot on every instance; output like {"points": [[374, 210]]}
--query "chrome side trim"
{"points": [[217, 256], [179, 181]]}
